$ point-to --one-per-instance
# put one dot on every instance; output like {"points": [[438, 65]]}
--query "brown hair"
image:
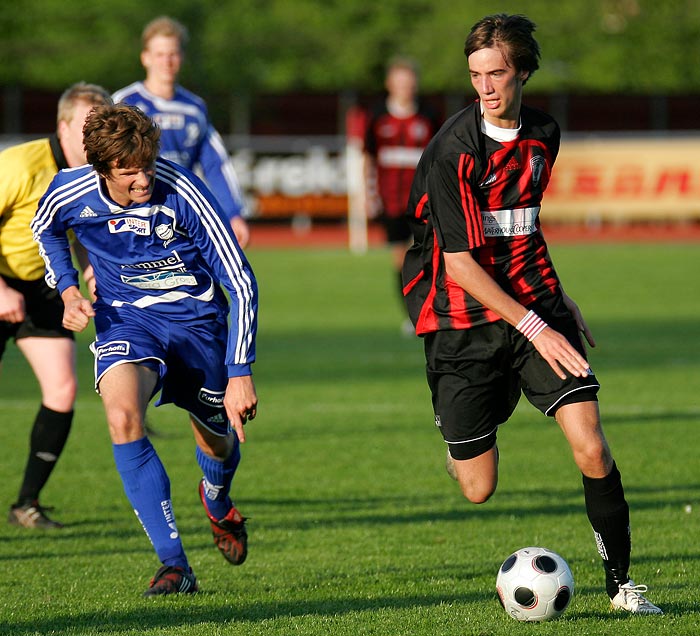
{"points": [[512, 34], [166, 26], [402, 62], [120, 136], [81, 92]]}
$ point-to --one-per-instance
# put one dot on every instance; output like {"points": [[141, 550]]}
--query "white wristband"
{"points": [[531, 325]]}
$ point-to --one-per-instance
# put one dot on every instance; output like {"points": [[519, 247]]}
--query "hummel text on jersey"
{"points": [[170, 262]]}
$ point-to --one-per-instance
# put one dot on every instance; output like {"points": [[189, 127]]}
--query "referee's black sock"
{"points": [[609, 515], [48, 437]]}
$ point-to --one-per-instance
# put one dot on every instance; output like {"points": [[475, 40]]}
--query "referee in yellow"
{"points": [[30, 312]]}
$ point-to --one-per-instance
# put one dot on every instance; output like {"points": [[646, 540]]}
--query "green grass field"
{"points": [[355, 528]]}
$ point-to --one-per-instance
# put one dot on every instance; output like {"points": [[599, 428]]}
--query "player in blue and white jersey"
{"points": [[187, 136], [163, 256]]}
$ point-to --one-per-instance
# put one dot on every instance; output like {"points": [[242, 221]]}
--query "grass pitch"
{"points": [[355, 527]]}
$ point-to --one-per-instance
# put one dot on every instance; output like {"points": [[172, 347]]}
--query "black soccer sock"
{"points": [[609, 515], [48, 437]]}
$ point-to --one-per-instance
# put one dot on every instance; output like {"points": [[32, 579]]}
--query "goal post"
{"points": [[356, 120]]}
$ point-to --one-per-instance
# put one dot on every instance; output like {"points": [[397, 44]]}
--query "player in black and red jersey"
{"points": [[398, 132], [483, 292]]}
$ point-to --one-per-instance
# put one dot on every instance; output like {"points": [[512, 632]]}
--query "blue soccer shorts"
{"points": [[189, 357]]}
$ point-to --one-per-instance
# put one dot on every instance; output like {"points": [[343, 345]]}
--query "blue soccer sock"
{"points": [[218, 476], [147, 487]]}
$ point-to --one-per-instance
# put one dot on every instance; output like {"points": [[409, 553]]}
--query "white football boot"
{"points": [[630, 598]]}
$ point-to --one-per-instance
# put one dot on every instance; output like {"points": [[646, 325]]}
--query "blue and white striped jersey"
{"points": [[170, 256], [189, 139]]}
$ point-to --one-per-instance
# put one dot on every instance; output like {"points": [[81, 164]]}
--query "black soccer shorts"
{"points": [[44, 313], [476, 377]]}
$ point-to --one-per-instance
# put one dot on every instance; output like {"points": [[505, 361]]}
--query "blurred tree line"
{"points": [[275, 46]]}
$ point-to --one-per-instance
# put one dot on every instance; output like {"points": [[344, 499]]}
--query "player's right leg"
{"points": [[126, 390], [473, 392], [477, 477]]}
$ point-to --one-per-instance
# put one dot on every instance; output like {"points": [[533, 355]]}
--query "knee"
{"points": [[594, 460], [478, 476], [477, 493], [125, 425], [477, 497], [61, 396]]}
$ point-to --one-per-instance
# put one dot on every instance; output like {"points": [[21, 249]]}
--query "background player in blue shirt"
{"points": [[162, 252], [187, 135]]}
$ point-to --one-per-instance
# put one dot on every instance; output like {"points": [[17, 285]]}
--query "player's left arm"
{"points": [[235, 274], [241, 402], [210, 231]]}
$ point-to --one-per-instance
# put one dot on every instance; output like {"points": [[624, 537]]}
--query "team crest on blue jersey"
{"points": [[142, 227], [166, 233], [192, 134]]}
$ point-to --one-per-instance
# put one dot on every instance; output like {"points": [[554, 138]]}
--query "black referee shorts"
{"points": [[44, 313], [476, 377]]}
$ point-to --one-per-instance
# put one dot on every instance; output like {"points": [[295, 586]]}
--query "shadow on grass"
{"points": [[188, 611], [326, 513], [183, 612]]}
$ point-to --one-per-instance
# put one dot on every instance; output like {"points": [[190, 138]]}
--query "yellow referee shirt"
{"points": [[26, 171]]}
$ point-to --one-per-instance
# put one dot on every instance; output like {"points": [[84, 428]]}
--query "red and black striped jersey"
{"points": [[396, 143], [472, 193]]}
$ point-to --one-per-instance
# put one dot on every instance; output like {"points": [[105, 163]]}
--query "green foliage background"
{"points": [[249, 46]]}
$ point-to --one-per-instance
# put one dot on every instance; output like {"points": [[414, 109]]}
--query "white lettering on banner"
{"points": [[596, 178], [314, 172], [399, 157], [518, 222]]}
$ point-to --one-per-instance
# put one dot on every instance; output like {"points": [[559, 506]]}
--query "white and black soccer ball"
{"points": [[535, 584]]}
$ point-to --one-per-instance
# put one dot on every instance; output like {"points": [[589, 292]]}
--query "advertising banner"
{"points": [[595, 179]]}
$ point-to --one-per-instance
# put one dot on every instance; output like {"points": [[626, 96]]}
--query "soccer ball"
{"points": [[534, 584]]}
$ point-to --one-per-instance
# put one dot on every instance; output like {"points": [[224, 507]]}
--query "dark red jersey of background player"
{"points": [[472, 193], [396, 144]]}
